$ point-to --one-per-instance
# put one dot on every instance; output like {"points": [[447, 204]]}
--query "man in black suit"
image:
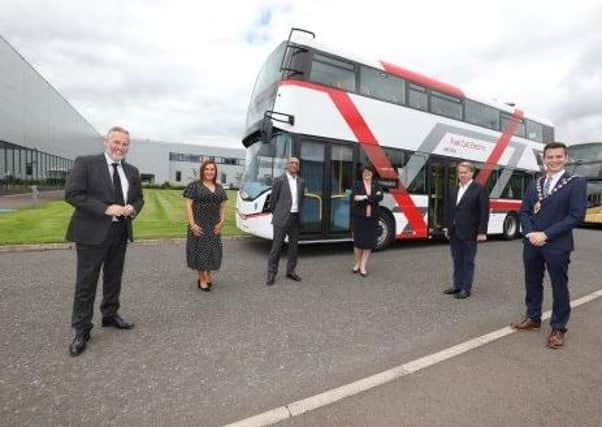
{"points": [[466, 219], [287, 202], [552, 207], [107, 195]]}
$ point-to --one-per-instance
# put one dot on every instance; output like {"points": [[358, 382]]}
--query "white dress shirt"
{"points": [[554, 180], [292, 183], [125, 186], [461, 190]]}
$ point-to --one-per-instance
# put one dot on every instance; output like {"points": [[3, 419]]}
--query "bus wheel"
{"points": [[511, 226], [385, 230]]}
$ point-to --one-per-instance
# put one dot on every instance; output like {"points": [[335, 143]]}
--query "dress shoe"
{"points": [[364, 273], [271, 279], [526, 325], [293, 276], [78, 345], [451, 291], [462, 294], [556, 339], [117, 322], [355, 270]]}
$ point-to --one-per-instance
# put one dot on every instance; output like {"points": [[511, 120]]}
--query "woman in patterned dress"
{"points": [[206, 211]]}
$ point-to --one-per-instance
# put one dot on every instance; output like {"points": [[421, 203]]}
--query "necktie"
{"points": [[546, 187], [117, 188]]}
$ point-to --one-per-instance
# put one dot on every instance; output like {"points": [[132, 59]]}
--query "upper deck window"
{"points": [[548, 134], [332, 72], [417, 97], [446, 105], [520, 128], [482, 115], [270, 72], [534, 131], [381, 85]]}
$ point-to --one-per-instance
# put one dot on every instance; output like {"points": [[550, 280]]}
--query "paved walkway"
{"points": [[209, 359]]}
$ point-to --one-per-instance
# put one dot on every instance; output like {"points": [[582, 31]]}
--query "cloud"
{"points": [[183, 71]]}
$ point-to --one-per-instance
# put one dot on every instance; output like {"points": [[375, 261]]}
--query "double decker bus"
{"points": [[336, 112], [586, 160]]}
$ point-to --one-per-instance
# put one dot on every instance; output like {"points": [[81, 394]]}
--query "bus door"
{"points": [[327, 169], [440, 177]]}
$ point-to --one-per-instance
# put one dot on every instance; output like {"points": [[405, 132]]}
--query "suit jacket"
{"points": [[469, 217], [89, 188], [358, 208], [282, 199], [558, 213]]}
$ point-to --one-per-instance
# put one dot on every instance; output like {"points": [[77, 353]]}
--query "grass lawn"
{"points": [[163, 216]]}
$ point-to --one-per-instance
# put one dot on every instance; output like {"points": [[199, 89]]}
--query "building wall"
{"points": [[163, 161], [38, 127]]}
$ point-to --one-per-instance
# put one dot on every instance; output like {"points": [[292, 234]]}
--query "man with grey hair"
{"points": [[466, 220], [106, 193]]}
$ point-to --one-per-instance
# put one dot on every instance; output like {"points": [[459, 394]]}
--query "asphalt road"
{"points": [[208, 359]]}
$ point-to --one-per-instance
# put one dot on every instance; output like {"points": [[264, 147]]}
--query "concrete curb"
{"points": [[70, 245]]}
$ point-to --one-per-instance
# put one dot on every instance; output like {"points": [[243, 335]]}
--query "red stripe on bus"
{"points": [[500, 146], [422, 79], [505, 205], [373, 151]]}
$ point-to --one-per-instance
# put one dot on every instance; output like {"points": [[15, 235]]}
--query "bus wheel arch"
{"points": [[511, 227], [386, 229]]}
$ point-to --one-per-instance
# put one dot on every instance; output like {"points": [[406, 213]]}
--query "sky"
{"points": [[183, 71]]}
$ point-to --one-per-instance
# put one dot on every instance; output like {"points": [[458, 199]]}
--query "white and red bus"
{"points": [[336, 112]]}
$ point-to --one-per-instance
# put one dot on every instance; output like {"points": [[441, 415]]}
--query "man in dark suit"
{"points": [[107, 195], [552, 206], [466, 219], [287, 202]]}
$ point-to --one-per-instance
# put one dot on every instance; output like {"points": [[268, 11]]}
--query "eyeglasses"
{"points": [[294, 162]]}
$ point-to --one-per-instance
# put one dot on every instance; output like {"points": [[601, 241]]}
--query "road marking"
{"points": [[299, 407]]}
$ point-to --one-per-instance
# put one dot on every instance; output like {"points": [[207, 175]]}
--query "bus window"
{"points": [[264, 162], [448, 106], [381, 85], [548, 134], [332, 72], [520, 129], [417, 97], [534, 131], [482, 115], [515, 187]]}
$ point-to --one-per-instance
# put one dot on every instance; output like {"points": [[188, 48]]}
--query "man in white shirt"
{"points": [[287, 202], [466, 220], [106, 194]]}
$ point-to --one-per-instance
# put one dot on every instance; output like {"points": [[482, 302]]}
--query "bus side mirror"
{"points": [[265, 130]]}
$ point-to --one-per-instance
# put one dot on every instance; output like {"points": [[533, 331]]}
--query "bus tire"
{"points": [[511, 226], [385, 229]]}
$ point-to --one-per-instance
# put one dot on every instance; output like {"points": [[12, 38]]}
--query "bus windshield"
{"points": [[265, 161]]}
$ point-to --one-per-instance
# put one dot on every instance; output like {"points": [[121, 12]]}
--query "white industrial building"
{"points": [[41, 134], [178, 163]]}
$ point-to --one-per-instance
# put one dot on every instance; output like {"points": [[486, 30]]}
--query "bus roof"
{"points": [[419, 78]]}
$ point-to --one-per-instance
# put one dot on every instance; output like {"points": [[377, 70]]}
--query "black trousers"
{"points": [[109, 255], [292, 230], [463, 253], [536, 261]]}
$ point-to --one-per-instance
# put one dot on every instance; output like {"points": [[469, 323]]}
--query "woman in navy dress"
{"points": [[205, 211], [365, 197]]}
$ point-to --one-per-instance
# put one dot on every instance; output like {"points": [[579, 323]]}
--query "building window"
{"points": [[178, 176]]}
